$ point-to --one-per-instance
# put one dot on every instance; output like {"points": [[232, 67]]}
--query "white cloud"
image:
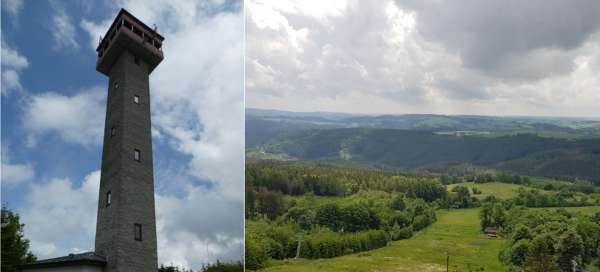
{"points": [[12, 64], [63, 29], [190, 235], [12, 7], [77, 119], [95, 31], [410, 60], [60, 218], [13, 174]]}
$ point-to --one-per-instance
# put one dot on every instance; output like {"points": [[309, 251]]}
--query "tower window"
{"points": [[136, 154], [136, 60], [137, 232], [136, 99], [116, 85], [113, 131], [108, 198]]}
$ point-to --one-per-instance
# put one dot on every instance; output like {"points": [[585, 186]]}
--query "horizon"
{"points": [[582, 118]]}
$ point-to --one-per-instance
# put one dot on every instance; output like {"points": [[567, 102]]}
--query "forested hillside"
{"points": [[306, 211], [404, 149]]}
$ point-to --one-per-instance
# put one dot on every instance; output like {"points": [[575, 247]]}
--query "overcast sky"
{"points": [[53, 107], [538, 57]]}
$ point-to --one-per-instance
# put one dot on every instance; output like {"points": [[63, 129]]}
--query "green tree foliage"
{"points": [[15, 248], [324, 243], [569, 252], [413, 149], [223, 267], [485, 215], [172, 268], [540, 257], [323, 180], [557, 239], [517, 253], [492, 215], [256, 252], [352, 218], [398, 203], [270, 203]]}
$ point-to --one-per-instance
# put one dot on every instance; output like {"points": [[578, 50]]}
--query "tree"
{"points": [[172, 268], [329, 215], [518, 252], [570, 250], [250, 199], [498, 215], [271, 203], [539, 256], [463, 196], [521, 232], [15, 248], [398, 203], [485, 215]]}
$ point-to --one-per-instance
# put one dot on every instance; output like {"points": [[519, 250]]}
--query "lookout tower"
{"points": [[126, 226]]}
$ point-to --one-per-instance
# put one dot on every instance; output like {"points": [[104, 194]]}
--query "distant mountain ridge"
{"points": [[558, 148]]}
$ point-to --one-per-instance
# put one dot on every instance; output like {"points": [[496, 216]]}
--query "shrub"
{"points": [[256, 252], [324, 243]]}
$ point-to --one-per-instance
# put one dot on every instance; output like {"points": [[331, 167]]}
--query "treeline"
{"points": [[485, 178], [543, 239], [325, 180], [581, 186], [313, 227], [218, 266], [535, 198]]}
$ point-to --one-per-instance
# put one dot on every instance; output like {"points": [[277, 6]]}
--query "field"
{"points": [[497, 189], [456, 232]]}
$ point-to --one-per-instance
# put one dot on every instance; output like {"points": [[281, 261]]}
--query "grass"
{"points": [[456, 232], [497, 189]]}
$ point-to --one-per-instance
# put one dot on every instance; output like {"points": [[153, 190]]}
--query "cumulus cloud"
{"points": [[423, 57], [13, 174], [497, 37], [12, 64], [191, 235], [59, 202], [77, 119], [63, 29]]}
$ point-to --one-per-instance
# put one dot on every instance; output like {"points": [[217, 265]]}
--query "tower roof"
{"points": [[129, 33], [86, 258]]}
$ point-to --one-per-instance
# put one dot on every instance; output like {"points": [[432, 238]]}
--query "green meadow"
{"points": [[456, 233], [497, 189]]}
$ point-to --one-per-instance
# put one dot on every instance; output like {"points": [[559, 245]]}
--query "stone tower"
{"points": [[126, 226]]}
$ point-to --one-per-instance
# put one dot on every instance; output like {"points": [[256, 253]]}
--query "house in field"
{"points": [[490, 232]]}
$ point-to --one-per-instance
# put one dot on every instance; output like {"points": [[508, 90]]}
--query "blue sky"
{"points": [[53, 106]]}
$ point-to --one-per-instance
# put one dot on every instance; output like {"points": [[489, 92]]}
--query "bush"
{"points": [[256, 252], [398, 233], [324, 243]]}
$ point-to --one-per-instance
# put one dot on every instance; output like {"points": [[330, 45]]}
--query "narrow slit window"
{"points": [[113, 131], [136, 99], [116, 85], [136, 155], [137, 232], [108, 198], [136, 60]]}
